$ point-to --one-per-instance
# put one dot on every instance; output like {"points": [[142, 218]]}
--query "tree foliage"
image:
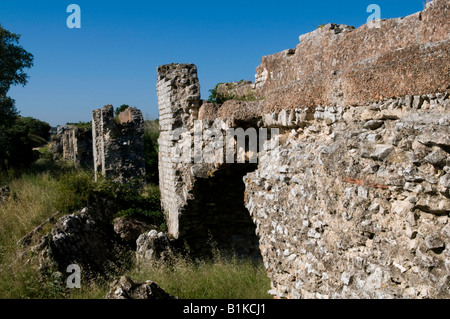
{"points": [[22, 136], [218, 98], [13, 60], [82, 125], [35, 128]]}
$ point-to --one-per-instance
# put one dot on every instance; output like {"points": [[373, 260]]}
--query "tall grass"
{"points": [[36, 196], [217, 278], [32, 202], [222, 277]]}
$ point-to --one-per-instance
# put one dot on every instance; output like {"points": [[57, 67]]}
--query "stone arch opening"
{"points": [[204, 202], [216, 216]]}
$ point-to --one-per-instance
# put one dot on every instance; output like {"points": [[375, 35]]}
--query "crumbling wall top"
{"points": [[130, 115], [337, 65]]}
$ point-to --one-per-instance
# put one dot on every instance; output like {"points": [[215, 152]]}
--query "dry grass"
{"points": [[32, 202], [217, 278], [36, 197]]}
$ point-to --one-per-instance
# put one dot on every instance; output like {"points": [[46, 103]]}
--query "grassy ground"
{"points": [[32, 202], [217, 278], [38, 194]]}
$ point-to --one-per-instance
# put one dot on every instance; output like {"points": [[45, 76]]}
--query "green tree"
{"points": [[8, 114], [37, 131], [20, 150], [13, 60]]}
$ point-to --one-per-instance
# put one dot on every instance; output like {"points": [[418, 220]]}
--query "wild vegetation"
{"points": [[41, 187], [219, 98], [48, 187], [18, 135], [81, 125]]}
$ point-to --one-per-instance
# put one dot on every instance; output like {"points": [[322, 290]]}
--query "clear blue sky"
{"points": [[113, 58]]}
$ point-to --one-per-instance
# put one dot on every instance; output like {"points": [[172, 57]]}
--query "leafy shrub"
{"points": [[74, 191], [151, 134], [218, 98], [24, 134], [146, 204], [153, 217]]}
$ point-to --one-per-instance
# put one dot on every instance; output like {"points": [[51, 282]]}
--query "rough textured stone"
{"points": [[434, 242], [437, 158], [359, 220], [126, 288], [373, 124], [130, 228], [381, 152], [193, 216], [350, 201], [73, 144], [153, 246], [405, 56], [119, 147], [85, 238]]}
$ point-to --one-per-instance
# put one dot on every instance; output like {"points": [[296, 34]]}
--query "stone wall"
{"points": [[354, 201], [74, 144], [195, 213], [114, 147], [179, 100], [118, 146], [358, 206], [341, 65]]}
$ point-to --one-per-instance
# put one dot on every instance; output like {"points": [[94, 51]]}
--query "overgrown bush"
{"points": [[38, 195], [77, 188], [218, 98], [146, 204], [24, 134], [151, 134]]}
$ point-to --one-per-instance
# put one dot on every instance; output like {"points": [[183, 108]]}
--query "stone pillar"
{"points": [[179, 101], [102, 128], [77, 145], [96, 139], [118, 147], [107, 141]]}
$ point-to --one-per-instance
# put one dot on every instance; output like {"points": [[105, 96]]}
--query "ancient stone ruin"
{"points": [[73, 144], [354, 200], [118, 147], [114, 148], [203, 202]]}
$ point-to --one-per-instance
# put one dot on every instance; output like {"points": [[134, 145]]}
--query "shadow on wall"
{"points": [[216, 216]]}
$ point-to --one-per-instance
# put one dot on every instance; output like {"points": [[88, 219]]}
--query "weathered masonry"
{"points": [[355, 200], [204, 201], [113, 147], [118, 147], [74, 144]]}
